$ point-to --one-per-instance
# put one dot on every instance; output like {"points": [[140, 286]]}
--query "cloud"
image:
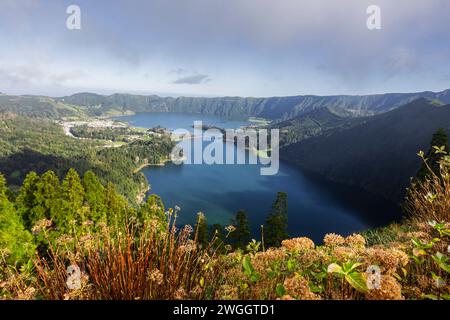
{"points": [[18, 77], [193, 79], [282, 47]]}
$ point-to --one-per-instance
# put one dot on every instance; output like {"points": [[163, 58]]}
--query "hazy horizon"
{"points": [[162, 95]]}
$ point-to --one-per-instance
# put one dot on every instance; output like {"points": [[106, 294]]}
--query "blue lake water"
{"points": [[315, 206]]}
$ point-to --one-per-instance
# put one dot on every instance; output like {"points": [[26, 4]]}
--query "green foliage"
{"points": [[438, 148], [71, 201], [39, 145], [241, 235], [378, 154], [153, 209], [277, 222], [217, 232], [26, 200], [253, 246], [249, 270], [201, 228], [442, 261], [42, 201], [95, 196], [112, 134], [384, 235], [13, 237], [348, 272]]}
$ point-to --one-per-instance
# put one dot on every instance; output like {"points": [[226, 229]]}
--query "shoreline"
{"points": [[162, 163]]}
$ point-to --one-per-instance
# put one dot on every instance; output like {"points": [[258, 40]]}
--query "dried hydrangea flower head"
{"points": [[355, 240], [298, 244], [389, 289], [298, 287], [333, 239]]}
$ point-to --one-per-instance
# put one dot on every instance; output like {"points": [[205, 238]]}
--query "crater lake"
{"points": [[315, 205]]}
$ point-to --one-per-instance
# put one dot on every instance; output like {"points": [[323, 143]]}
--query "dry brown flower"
{"points": [[387, 259], [286, 297], [355, 240], [227, 292], [298, 287], [180, 294], [298, 244], [423, 282], [266, 257], [189, 246], [344, 254], [87, 223], [156, 276], [332, 239], [41, 225], [389, 289]]}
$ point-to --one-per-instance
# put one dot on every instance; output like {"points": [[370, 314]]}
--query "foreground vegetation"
{"points": [[78, 239]]}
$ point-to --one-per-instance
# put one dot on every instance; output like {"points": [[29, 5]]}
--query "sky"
{"points": [[246, 48]]}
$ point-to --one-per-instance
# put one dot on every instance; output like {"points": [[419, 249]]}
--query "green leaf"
{"points": [[316, 289], [247, 265], [350, 266], [291, 264], [335, 268], [357, 280], [441, 261], [438, 281], [281, 291], [255, 277], [419, 252]]}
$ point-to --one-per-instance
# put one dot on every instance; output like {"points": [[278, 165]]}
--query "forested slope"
{"points": [[379, 155]]}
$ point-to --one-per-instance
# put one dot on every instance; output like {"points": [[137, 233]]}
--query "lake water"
{"points": [[315, 206]]}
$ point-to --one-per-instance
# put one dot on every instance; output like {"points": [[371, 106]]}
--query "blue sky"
{"points": [[224, 47]]}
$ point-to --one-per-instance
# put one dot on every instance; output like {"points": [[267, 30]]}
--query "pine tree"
{"points": [[46, 197], [115, 206], [95, 196], [241, 236], [26, 200], [277, 222], [439, 139], [13, 236], [72, 199]]}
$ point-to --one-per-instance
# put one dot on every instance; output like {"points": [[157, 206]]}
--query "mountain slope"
{"points": [[317, 122], [37, 106], [377, 155], [275, 108]]}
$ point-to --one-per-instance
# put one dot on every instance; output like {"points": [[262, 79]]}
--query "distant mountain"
{"points": [[317, 122], [37, 106], [275, 108], [379, 154]]}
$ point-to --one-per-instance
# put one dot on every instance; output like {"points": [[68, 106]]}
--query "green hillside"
{"points": [[35, 144], [378, 155]]}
